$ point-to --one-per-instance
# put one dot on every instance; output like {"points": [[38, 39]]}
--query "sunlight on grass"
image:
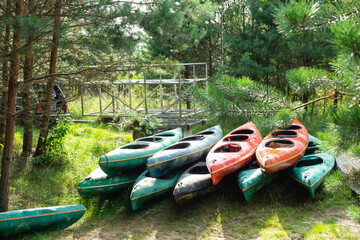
{"points": [[41, 186], [328, 231], [214, 229], [274, 229]]}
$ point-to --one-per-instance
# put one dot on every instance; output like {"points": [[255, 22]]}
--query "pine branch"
{"points": [[316, 100], [332, 20]]}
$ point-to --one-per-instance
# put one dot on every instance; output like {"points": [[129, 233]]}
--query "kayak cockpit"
{"points": [[178, 146], [228, 148], [284, 134], [309, 162], [150, 139], [192, 138], [243, 131], [279, 144], [135, 146], [236, 138]]}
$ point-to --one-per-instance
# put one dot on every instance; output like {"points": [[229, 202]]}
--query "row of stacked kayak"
{"points": [[188, 167], [195, 165]]}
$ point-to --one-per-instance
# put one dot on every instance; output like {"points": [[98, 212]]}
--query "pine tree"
{"points": [[338, 22]]}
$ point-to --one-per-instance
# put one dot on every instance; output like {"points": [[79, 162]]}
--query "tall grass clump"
{"points": [[41, 185]]}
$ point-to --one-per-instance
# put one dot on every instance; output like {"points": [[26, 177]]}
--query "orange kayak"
{"points": [[233, 151], [282, 148]]}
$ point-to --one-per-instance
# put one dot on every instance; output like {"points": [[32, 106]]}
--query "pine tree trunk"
{"points": [[11, 112], [50, 83], [27, 106], [5, 77]]}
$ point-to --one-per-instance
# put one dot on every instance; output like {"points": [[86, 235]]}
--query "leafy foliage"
{"points": [[55, 145]]}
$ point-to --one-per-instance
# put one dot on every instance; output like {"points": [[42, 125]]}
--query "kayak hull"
{"points": [[39, 219], [233, 151], [282, 148], [146, 188], [252, 180], [98, 182], [185, 152], [135, 154], [193, 183], [312, 169]]}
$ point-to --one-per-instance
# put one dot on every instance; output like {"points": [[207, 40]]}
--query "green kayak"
{"points": [[146, 187], [311, 170], [98, 182], [251, 180], [39, 219], [135, 154], [313, 145]]}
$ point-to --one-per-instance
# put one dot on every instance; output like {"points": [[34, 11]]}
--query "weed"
{"points": [[55, 153], [354, 212]]}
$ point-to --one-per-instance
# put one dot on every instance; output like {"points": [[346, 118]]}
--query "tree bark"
{"points": [[50, 82], [11, 111], [27, 105], [5, 76]]}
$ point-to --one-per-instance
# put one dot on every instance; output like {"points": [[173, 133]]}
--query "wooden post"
{"points": [[180, 109], [82, 99], [146, 110], [100, 102], [161, 95]]}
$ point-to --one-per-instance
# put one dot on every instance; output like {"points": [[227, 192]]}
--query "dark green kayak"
{"points": [[311, 170], [98, 182], [313, 145], [39, 219], [146, 188], [251, 180], [135, 154]]}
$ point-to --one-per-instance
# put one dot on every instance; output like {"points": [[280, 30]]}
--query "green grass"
{"points": [[282, 210]]}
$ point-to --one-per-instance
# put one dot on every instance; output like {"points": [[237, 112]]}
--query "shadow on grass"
{"points": [[282, 210]]}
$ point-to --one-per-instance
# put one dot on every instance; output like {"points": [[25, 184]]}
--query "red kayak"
{"points": [[233, 151], [282, 148]]}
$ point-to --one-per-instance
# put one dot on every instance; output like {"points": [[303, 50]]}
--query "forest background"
{"points": [[268, 60]]}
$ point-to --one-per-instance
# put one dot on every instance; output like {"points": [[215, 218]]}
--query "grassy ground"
{"points": [[282, 210]]}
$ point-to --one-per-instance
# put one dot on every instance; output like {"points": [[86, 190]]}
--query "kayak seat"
{"points": [[279, 144], [236, 138], [228, 148], [284, 134]]}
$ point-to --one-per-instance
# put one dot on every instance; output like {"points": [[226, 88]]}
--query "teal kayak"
{"points": [[312, 169], [98, 182], [146, 188], [251, 180], [313, 145], [185, 152], [39, 219], [135, 154]]}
